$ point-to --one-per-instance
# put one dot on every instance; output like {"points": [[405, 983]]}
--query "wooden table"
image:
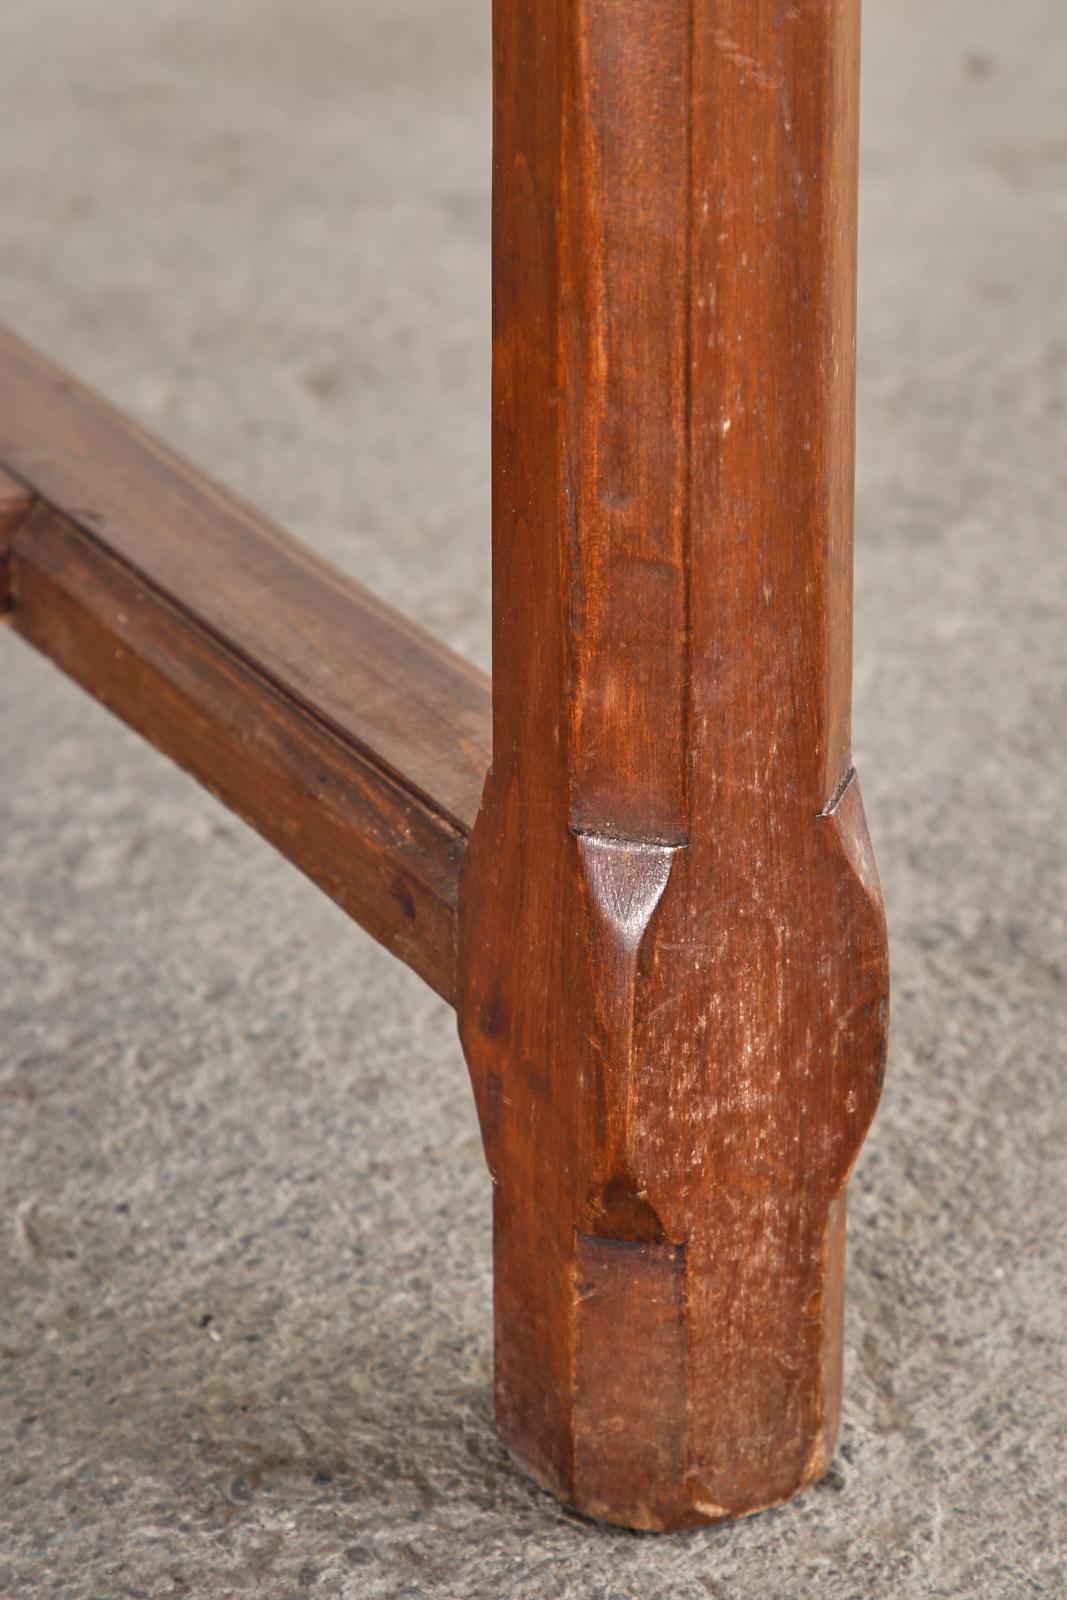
{"points": [[658, 916]]}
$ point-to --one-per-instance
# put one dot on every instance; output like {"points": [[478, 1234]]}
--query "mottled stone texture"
{"points": [[244, 1271]]}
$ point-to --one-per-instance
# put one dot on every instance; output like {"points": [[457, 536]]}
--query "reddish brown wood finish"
{"points": [[673, 980], [351, 739], [14, 503]]}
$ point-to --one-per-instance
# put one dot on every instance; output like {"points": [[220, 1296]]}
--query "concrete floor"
{"points": [[245, 1257]]}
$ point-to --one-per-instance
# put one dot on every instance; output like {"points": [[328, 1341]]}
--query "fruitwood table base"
{"points": [[637, 863]]}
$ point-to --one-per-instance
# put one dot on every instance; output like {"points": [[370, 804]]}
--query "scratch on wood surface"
{"points": [[838, 794], [749, 66]]}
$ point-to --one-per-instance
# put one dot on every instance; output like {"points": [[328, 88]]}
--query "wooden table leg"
{"points": [[672, 974]]}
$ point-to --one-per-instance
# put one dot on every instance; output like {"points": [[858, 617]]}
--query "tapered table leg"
{"points": [[672, 972]]}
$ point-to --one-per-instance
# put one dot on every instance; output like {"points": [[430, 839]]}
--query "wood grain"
{"points": [[15, 501], [351, 739], [673, 974]]}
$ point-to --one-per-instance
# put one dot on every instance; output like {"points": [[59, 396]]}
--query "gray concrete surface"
{"points": [[245, 1253]]}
